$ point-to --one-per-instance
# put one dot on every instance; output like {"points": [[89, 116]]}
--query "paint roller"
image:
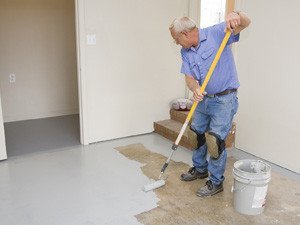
{"points": [[161, 182]]}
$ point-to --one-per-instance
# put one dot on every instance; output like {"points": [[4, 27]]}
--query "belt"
{"points": [[226, 92]]}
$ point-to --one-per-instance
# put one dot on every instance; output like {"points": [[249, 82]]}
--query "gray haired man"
{"points": [[213, 116]]}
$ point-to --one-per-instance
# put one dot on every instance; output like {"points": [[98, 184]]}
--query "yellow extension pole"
{"points": [[203, 86], [189, 116], [209, 73]]}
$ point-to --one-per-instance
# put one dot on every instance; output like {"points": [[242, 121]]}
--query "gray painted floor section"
{"points": [[31, 136], [49, 179]]}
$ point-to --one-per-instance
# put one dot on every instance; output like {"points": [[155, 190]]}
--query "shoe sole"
{"points": [[203, 196]]}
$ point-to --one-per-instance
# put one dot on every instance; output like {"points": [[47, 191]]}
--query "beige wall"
{"points": [[37, 43], [129, 77], [268, 64]]}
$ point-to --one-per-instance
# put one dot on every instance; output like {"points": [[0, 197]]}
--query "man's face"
{"points": [[182, 39]]}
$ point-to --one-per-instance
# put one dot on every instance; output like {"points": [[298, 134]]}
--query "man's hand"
{"points": [[233, 20], [194, 87], [236, 22], [198, 96]]}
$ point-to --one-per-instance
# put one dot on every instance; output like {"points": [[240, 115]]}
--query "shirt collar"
{"points": [[202, 37]]}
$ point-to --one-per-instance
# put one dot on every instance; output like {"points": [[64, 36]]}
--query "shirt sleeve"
{"points": [[218, 29], [185, 67]]}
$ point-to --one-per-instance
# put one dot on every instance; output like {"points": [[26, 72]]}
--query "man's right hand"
{"points": [[194, 87], [198, 96]]}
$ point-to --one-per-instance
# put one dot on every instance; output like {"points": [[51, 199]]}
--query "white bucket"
{"points": [[251, 178]]}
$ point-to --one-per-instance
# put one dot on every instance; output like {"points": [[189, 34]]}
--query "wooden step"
{"points": [[230, 139], [179, 116], [171, 128]]}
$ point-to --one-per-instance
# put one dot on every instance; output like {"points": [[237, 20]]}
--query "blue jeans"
{"points": [[214, 114]]}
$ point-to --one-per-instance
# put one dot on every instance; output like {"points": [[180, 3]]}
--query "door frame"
{"points": [[81, 68], [3, 153]]}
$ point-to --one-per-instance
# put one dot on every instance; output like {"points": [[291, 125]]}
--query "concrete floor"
{"points": [[84, 185], [179, 205]]}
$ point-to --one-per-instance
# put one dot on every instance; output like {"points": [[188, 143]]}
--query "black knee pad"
{"points": [[215, 145], [200, 138]]}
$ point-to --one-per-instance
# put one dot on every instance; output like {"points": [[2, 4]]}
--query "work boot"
{"points": [[193, 174], [209, 189]]}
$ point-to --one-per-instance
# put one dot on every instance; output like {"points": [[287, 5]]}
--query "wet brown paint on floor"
{"points": [[179, 205]]}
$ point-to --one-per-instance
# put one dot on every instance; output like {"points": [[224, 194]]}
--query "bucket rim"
{"points": [[252, 160], [246, 180]]}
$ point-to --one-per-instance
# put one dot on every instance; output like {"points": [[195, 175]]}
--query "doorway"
{"points": [[38, 75]]}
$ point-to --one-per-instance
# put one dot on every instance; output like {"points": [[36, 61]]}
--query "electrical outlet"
{"points": [[91, 39], [12, 78]]}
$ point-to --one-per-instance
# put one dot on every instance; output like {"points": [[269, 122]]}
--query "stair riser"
{"points": [[179, 116], [172, 135]]}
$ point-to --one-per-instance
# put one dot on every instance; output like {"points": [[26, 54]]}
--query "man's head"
{"points": [[184, 32]]}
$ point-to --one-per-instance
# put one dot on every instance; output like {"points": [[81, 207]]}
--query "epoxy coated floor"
{"points": [[88, 185], [30, 136], [81, 185]]}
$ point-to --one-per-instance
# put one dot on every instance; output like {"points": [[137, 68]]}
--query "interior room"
{"points": [[39, 90], [99, 122]]}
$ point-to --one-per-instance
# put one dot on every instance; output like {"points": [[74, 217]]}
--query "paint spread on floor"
{"points": [[179, 205]]}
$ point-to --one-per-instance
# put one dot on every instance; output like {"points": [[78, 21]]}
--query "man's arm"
{"points": [[194, 87], [237, 21]]}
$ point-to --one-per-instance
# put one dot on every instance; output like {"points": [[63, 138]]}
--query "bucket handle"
{"points": [[241, 189]]}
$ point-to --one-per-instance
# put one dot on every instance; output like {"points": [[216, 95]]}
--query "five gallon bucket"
{"points": [[250, 186]]}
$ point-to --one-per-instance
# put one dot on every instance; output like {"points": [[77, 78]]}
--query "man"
{"points": [[213, 116]]}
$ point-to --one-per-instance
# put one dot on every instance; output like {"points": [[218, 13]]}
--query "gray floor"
{"points": [[50, 179], [30, 136]]}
